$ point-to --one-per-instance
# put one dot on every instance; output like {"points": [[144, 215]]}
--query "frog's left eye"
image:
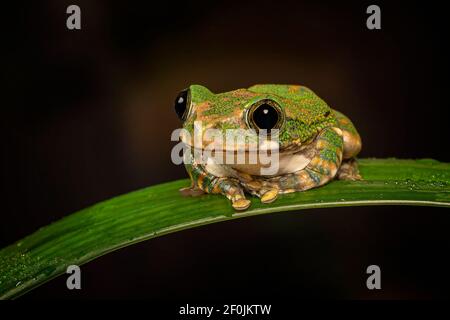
{"points": [[265, 114], [182, 104]]}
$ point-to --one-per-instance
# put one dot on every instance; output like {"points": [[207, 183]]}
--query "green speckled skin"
{"points": [[324, 138]]}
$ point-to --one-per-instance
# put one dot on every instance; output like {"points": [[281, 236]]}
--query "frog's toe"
{"points": [[349, 171], [269, 196], [241, 204], [349, 177]]}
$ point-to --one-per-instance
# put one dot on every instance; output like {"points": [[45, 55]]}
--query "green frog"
{"points": [[315, 143]]}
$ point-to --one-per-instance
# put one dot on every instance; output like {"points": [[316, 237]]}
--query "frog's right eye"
{"points": [[182, 104], [265, 114]]}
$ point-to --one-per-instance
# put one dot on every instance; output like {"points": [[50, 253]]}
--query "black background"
{"points": [[87, 115]]}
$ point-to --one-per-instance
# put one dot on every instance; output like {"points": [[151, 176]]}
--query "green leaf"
{"points": [[158, 210]]}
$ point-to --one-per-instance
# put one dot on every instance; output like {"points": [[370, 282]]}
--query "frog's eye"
{"points": [[265, 114], [182, 104]]}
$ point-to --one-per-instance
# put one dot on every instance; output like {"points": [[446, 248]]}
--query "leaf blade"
{"points": [[159, 210]]}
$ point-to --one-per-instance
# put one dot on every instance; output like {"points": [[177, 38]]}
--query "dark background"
{"points": [[87, 115]]}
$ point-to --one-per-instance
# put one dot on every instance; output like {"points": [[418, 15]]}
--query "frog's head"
{"points": [[296, 111]]}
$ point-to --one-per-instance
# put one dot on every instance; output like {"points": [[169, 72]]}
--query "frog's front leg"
{"points": [[209, 183], [322, 167]]}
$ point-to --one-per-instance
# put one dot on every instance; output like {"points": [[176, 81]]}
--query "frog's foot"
{"points": [[191, 192], [240, 203], [349, 170], [269, 196], [205, 182], [233, 191], [262, 189], [236, 195]]}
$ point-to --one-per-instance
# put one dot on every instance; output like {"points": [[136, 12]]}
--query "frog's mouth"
{"points": [[237, 146]]}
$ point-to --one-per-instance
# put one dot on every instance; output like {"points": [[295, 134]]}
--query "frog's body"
{"points": [[316, 143]]}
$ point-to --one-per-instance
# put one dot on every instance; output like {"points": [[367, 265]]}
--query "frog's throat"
{"points": [[281, 164], [287, 161]]}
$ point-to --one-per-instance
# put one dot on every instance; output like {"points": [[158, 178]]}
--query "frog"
{"points": [[316, 143]]}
